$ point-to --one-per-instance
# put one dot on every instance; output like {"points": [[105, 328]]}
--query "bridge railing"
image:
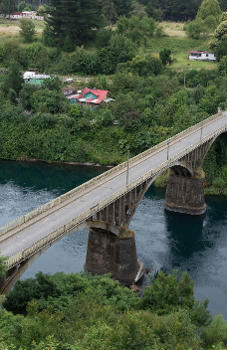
{"points": [[98, 179], [57, 234]]}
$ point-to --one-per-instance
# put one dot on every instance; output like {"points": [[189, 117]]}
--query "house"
{"points": [[34, 78], [201, 56], [92, 97]]}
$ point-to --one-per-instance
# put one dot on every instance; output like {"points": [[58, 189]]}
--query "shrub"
{"points": [[27, 30]]}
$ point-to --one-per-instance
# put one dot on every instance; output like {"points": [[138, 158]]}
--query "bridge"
{"points": [[107, 203]]}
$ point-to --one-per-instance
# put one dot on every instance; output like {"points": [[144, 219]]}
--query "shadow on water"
{"points": [[185, 234]]}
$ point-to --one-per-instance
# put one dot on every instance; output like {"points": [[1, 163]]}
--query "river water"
{"points": [[164, 240]]}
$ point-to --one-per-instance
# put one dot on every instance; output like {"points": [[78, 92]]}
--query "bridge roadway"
{"points": [[17, 239]]}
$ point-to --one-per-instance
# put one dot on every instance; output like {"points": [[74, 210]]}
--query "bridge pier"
{"points": [[108, 252], [185, 194]]}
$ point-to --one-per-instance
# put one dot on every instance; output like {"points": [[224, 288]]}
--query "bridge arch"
{"points": [[214, 139]]}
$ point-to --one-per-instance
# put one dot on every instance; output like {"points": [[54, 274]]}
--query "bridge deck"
{"points": [[23, 236]]}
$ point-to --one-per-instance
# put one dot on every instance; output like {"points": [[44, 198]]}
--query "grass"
{"points": [[175, 40], [180, 47], [173, 28]]}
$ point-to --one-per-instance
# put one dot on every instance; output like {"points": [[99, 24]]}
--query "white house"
{"points": [[201, 56]]}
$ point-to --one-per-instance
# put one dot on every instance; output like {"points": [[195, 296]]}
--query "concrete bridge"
{"points": [[107, 203]]}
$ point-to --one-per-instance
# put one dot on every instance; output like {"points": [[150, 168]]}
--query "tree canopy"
{"points": [[209, 8], [73, 21]]}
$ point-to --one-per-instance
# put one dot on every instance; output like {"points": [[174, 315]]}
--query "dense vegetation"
{"points": [[177, 10], [152, 100], [81, 312]]}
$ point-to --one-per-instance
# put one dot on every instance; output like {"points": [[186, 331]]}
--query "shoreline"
{"points": [[208, 191]]}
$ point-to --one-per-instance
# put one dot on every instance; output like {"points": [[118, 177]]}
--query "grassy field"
{"points": [[180, 45], [175, 39]]}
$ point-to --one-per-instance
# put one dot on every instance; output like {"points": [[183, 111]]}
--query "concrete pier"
{"points": [[185, 194], [109, 253]]}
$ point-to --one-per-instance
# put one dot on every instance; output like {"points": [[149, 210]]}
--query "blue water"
{"points": [[164, 240]]}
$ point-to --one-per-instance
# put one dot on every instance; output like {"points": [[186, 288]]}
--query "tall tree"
{"points": [[123, 7], [7, 6], [209, 8], [73, 19]]}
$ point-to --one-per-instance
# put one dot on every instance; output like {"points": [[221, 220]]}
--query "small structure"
{"points": [[201, 56], [34, 78], [92, 97], [25, 14]]}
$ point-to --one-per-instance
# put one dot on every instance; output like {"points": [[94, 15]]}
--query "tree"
{"points": [[49, 101], [209, 8], [7, 7], [165, 56], [123, 7], [13, 79], [219, 43], [194, 29], [176, 10], [27, 29], [72, 19], [22, 5], [2, 267]]}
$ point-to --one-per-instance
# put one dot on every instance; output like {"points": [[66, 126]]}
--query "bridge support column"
{"points": [[185, 194], [109, 253]]}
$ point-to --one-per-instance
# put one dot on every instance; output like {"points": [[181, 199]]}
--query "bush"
{"points": [[27, 30], [146, 65], [165, 56], [219, 184], [216, 332]]}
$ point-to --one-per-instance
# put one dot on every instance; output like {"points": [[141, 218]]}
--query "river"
{"points": [[164, 240]]}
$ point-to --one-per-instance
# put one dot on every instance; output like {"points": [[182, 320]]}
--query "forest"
{"points": [[176, 10], [84, 312]]}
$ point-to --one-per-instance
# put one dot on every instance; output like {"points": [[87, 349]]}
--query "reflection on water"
{"points": [[164, 240]]}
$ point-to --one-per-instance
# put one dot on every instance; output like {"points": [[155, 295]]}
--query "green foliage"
{"points": [[7, 6], [146, 65], [137, 29], [13, 79], [21, 6], [220, 184], [26, 94], [71, 23], [216, 332], [45, 100], [220, 40], [80, 312], [27, 30], [194, 29], [165, 56], [2, 267], [209, 8]]}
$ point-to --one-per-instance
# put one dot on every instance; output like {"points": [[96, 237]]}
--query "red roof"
{"points": [[100, 95]]}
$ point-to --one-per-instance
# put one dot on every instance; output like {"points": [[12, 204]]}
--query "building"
{"points": [[92, 97], [201, 56], [34, 78]]}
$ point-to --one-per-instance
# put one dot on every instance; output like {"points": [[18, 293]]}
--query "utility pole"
{"points": [[184, 78], [167, 153], [127, 165], [201, 132]]}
